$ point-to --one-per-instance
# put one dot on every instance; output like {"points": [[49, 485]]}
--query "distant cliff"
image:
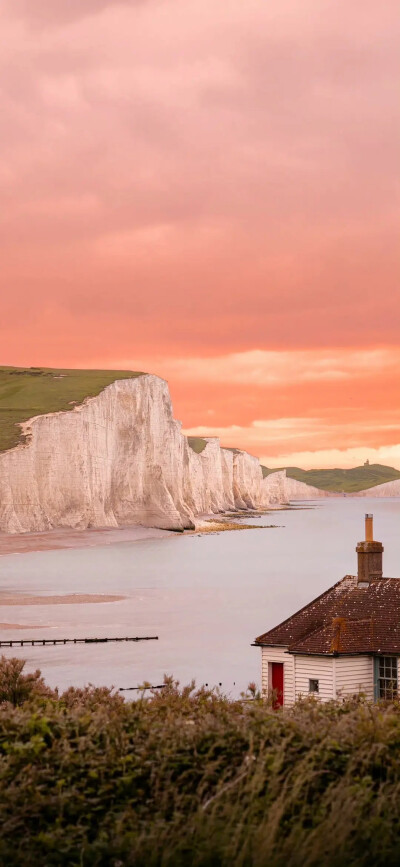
{"points": [[119, 459], [295, 490], [341, 481], [388, 489]]}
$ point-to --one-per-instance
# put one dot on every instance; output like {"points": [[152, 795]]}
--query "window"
{"points": [[387, 677], [313, 685]]}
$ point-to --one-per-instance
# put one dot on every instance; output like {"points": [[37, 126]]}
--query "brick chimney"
{"points": [[369, 555]]}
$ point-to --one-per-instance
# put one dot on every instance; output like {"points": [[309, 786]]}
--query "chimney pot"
{"points": [[369, 555]]}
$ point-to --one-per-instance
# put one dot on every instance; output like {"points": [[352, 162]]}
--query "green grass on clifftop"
{"points": [[348, 481], [26, 392], [198, 444]]}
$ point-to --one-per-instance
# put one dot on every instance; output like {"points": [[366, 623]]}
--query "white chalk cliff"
{"points": [[282, 489], [387, 489], [119, 459]]}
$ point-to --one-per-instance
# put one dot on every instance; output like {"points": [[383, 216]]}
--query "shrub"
{"points": [[16, 687], [186, 777]]}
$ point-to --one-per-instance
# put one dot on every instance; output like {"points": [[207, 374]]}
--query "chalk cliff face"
{"points": [[387, 489], [278, 488], [295, 490], [120, 458], [274, 488]]}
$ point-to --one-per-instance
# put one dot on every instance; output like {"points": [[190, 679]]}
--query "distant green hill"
{"points": [[349, 481], [26, 392]]}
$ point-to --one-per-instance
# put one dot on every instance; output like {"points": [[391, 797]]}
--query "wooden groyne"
{"points": [[42, 642], [142, 688]]}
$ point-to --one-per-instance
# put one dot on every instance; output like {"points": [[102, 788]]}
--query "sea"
{"points": [[205, 597]]}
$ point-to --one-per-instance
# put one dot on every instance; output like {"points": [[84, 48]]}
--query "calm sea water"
{"points": [[206, 597]]}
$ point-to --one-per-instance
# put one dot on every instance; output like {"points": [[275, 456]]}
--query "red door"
{"points": [[277, 682]]}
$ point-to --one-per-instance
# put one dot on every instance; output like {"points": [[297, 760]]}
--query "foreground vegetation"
{"points": [[347, 481], [186, 777], [26, 392]]}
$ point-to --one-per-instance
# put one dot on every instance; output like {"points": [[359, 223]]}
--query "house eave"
{"points": [[331, 655], [336, 653], [263, 644]]}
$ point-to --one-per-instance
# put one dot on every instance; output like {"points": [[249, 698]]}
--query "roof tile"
{"points": [[346, 618]]}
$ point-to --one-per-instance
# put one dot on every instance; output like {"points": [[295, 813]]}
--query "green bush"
{"points": [[187, 777], [16, 687]]}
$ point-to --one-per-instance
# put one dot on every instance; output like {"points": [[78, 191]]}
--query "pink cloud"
{"points": [[48, 12], [191, 179]]}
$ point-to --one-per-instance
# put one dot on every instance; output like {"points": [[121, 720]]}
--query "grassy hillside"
{"points": [[26, 392], [188, 778], [349, 481]]}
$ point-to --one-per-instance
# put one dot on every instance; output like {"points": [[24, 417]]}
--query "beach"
{"points": [[52, 540], [56, 599]]}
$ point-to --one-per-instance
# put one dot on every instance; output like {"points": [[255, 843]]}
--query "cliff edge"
{"points": [[120, 458], [387, 489]]}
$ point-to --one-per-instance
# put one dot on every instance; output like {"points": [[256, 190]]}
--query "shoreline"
{"points": [[223, 525], [67, 537], [62, 538], [10, 626], [20, 598]]}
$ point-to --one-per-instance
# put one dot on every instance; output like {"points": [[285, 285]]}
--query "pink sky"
{"points": [[208, 191]]}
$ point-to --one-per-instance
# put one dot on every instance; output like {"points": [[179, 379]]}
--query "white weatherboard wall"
{"points": [[355, 674], [278, 654], [297, 672], [338, 677], [314, 668]]}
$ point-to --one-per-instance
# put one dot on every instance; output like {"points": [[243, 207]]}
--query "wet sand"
{"points": [[65, 599], [223, 526], [50, 540], [24, 543], [22, 626]]}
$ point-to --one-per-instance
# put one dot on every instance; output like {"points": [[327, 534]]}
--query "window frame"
{"points": [[386, 678], [315, 689]]}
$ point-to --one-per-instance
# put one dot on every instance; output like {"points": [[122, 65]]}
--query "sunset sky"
{"points": [[209, 191]]}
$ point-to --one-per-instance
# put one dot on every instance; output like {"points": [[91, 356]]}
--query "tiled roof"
{"points": [[347, 618]]}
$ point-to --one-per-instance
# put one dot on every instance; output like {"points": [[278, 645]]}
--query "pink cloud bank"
{"points": [[192, 180]]}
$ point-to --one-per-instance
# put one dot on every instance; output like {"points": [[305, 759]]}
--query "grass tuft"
{"points": [[198, 444]]}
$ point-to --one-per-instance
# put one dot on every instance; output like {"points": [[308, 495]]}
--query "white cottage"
{"points": [[345, 642]]}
